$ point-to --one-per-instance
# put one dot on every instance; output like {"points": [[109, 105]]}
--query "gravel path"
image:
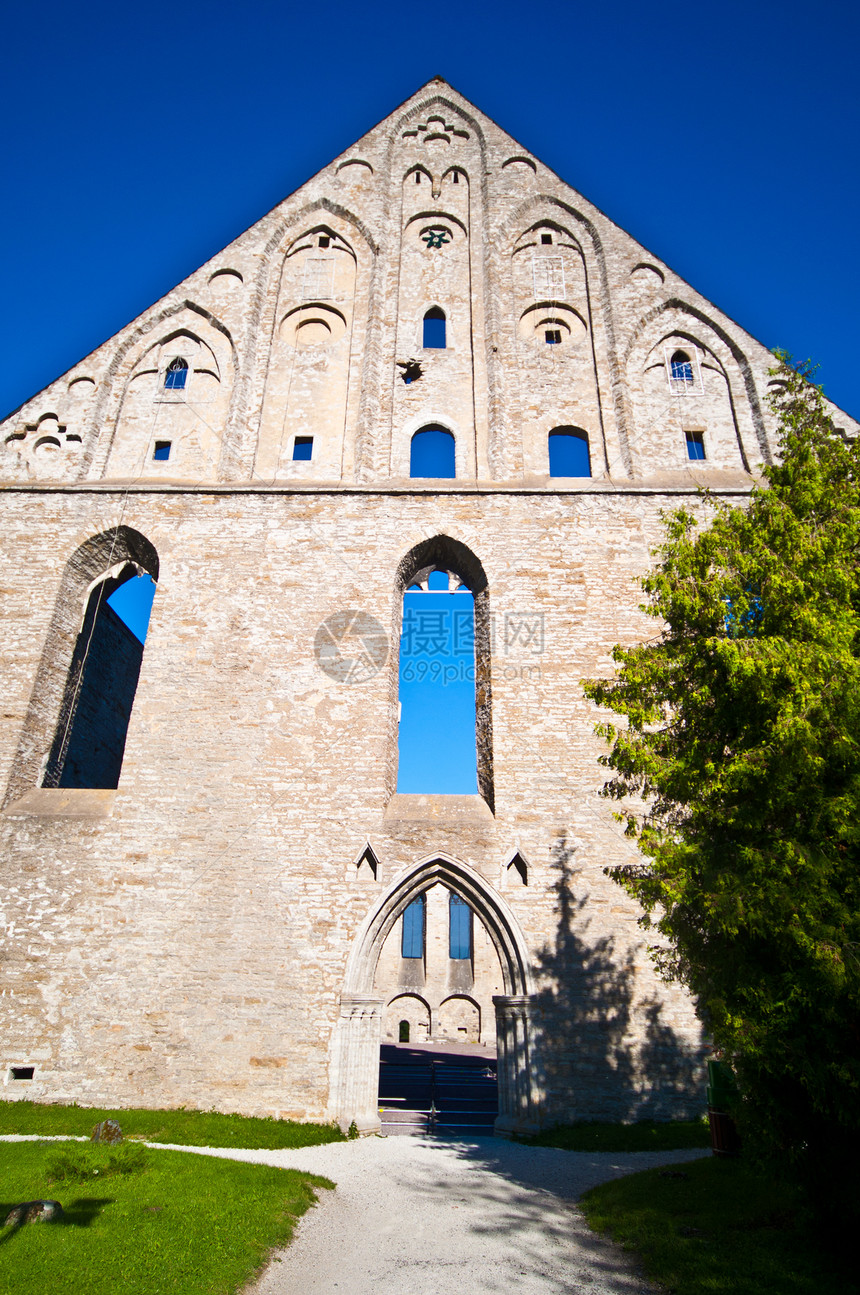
{"points": [[420, 1216], [415, 1216]]}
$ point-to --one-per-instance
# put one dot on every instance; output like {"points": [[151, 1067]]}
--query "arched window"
{"points": [[568, 453], [412, 938], [681, 367], [432, 453], [90, 739], [176, 375], [434, 329], [459, 928], [437, 751], [445, 736]]}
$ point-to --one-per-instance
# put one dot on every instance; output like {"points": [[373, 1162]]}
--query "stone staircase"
{"points": [[437, 1092]]}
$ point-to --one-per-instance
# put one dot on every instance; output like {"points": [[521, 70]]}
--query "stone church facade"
{"points": [[203, 892]]}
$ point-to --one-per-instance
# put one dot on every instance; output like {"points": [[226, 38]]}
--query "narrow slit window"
{"points": [[456, 179], [434, 329], [695, 446], [568, 453], [303, 448], [417, 177], [459, 928], [162, 451], [412, 938], [176, 375]]}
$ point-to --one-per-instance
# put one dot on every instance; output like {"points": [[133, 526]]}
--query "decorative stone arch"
{"points": [[678, 318], [182, 318], [267, 309], [103, 556], [354, 1066], [547, 209]]}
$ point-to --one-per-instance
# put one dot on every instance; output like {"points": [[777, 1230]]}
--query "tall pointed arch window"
{"points": [[89, 742], [177, 375], [434, 332], [437, 752], [412, 933], [569, 453], [432, 454], [459, 928]]}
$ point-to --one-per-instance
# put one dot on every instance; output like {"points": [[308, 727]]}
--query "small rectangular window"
{"points": [[456, 177], [417, 177], [303, 447], [23, 1072], [162, 450], [324, 240], [695, 445], [553, 336], [546, 239]]}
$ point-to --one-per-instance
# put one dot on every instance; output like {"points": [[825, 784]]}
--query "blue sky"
{"points": [[138, 142]]}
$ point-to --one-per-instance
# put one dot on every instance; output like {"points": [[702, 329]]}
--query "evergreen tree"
{"points": [[741, 753]]}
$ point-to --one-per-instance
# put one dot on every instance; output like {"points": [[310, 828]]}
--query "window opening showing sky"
{"points": [[132, 603], [432, 453], [437, 752]]}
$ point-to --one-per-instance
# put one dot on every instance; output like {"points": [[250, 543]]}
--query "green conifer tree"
{"points": [[741, 753]]}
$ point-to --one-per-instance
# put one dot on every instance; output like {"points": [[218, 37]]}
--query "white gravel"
{"points": [[416, 1216]]}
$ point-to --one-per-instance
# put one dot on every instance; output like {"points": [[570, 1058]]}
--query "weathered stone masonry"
{"points": [[209, 933]]}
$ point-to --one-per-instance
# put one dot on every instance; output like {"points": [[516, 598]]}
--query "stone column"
{"points": [[519, 1090], [355, 1063]]}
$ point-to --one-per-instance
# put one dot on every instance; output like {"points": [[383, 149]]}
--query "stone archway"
{"points": [[354, 1063]]}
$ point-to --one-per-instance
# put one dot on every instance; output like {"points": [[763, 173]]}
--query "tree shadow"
{"points": [[604, 1053], [79, 1213]]}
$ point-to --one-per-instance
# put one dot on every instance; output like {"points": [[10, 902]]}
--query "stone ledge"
{"points": [[438, 809], [63, 802]]}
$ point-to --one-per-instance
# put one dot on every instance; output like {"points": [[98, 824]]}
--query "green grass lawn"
{"points": [[186, 1128], [172, 1222], [677, 1135], [714, 1227]]}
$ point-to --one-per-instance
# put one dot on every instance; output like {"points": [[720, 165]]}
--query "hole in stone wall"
{"points": [[412, 370], [22, 1072]]}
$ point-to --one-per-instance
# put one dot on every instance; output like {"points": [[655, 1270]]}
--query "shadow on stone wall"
{"points": [[618, 1059]]}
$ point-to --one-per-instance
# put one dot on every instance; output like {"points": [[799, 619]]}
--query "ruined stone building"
{"points": [[213, 892]]}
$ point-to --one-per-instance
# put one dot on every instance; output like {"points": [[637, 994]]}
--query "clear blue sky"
{"points": [[137, 142]]}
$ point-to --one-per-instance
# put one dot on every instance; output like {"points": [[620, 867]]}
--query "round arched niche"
{"points": [[313, 326], [565, 324], [225, 278], [648, 274]]}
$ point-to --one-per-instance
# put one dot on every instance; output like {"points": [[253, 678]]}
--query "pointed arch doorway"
{"points": [[354, 1064]]}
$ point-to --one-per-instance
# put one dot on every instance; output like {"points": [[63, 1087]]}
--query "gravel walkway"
{"points": [[415, 1216], [420, 1216]]}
